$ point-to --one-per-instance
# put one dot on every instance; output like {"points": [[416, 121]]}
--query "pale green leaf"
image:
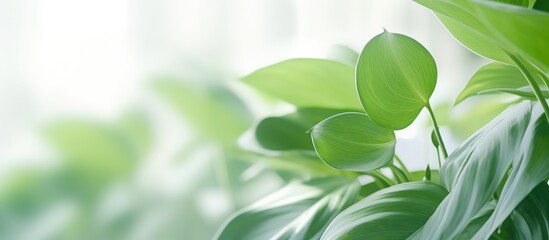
{"points": [[395, 78], [392, 213], [491, 76], [519, 30], [461, 20], [525, 92], [94, 155], [351, 141], [308, 83], [213, 110], [297, 211]]}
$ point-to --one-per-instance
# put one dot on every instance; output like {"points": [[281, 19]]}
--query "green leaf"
{"points": [[520, 30], [434, 139], [392, 213], [298, 162], [290, 132], [308, 83], [476, 169], [525, 92], [461, 20], [523, 3], [351, 141], [395, 78], [94, 155], [297, 211], [542, 5], [491, 29], [530, 219], [530, 167], [492, 76], [213, 110]]}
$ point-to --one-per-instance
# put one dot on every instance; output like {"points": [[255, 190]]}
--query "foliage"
{"points": [[493, 186]]}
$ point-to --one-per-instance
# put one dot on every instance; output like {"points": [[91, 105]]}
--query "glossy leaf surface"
{"points": [[351, 141], [476, 169], [392, 213], [395, 78], [530, 167]]}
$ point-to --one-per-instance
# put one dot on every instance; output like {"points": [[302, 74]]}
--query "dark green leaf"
{"points": [[290, 132], [297, 211], [308, 83], [530, 219], [392, 213], [395, 78], [542, 5], [351, 141]]}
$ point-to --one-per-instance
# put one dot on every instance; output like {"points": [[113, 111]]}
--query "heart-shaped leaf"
{"points": [[395, 78], [297, 211], [392, 213], [351, 141], [308, 83]]}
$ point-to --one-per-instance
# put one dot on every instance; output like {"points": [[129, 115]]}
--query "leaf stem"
{"points": [[532, 81], [439, 161], [403, 167], [382, 178], [399, 174], [540, 73], [437, 131]]}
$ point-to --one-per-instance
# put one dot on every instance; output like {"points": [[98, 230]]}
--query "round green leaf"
{"points": [[351, 141], [395, 78]]}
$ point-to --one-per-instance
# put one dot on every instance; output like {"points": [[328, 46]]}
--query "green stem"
{"points": [[540, 73], [532, 81], [438, 156], [382, 178], [437, 131], [399, 174], [403, 167]]}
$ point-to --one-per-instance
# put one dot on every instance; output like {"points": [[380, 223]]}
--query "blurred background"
{"points": [[126, 119]]}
